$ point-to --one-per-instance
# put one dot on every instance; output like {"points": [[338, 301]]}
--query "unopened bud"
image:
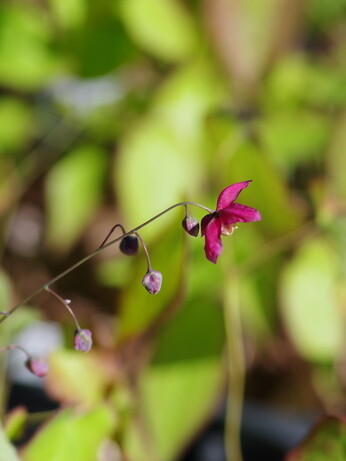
{"points": [[152, 282], [129, 245], [37, 365], [191, 225], [83, 340]]}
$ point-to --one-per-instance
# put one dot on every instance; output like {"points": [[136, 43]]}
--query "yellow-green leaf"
{"points": [[73, 193], [162, 27], [310, 307]]}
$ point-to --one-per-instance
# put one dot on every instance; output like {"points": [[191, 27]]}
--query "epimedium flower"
{"points": [[223, 220]]}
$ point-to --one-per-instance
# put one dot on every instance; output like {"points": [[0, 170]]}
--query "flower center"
{"points": [[228, 230]]}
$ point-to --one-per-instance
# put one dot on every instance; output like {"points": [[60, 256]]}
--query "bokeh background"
{"points": [[113, 110]]}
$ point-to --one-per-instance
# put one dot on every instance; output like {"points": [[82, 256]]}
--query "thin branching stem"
{"points": [[65, 302], [145, 251], [111, 232], [101, 248], [12, 347]]}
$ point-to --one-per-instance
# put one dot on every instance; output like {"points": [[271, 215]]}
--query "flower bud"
{"points": [[191, 225], [129, 245], [82, 340], [37, 365], [152, 282]]}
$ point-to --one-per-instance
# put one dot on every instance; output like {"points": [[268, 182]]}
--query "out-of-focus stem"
{"points": [[12, 347], [235, 369]]}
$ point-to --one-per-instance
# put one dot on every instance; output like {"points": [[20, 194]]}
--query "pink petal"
{"points": [[213, 244], [228, 195], [239, 213]]}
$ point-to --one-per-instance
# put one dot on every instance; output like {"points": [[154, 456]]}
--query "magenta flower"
{"points": [[223, 220]]}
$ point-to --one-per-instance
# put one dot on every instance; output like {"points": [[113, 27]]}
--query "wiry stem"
{"points": [[12, 347], [111, 232], [65, 302], [145, 251], [94, 253]]}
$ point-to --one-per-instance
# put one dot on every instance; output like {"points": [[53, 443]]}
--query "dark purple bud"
{"points": [[129, 245], [152, 282], [37, 365], [191, 225], [83, 340]]}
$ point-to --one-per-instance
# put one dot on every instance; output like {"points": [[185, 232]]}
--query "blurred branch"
{"points": [[235, 369], [35, 163]]}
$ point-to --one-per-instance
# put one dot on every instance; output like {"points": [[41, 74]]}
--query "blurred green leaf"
{"points": [[69, 13], [16, 125], [309, 301], [327, 440], [326, 86], [287, 83], [115, 273], [163, 156], [102, 46], [186, 97], [161, 27], [295, 80], [185, 377], [68, 373], [5, 292], [7, 451], [151, 173], [293, 138], [189, 388], [73, 193], [72, 435], [258, 302], [26, 59], [336, 160], [323, 12], [15, 423], [268, 192]]}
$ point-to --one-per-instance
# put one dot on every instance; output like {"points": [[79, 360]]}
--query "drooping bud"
{"points": [[83, 340], [129, 245], [191, 225], [37, 365], [152, 282]]}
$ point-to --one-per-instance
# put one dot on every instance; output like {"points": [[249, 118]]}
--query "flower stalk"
{"points": [[36, 365], [65, 302], [105, 244]]}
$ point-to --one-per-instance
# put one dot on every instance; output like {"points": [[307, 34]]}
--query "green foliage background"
{"points": [[111, 111]]}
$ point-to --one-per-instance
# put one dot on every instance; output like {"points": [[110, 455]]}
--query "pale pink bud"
{"points": [[191, 225], [37, 365], [83, 340], [152, 282]]}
